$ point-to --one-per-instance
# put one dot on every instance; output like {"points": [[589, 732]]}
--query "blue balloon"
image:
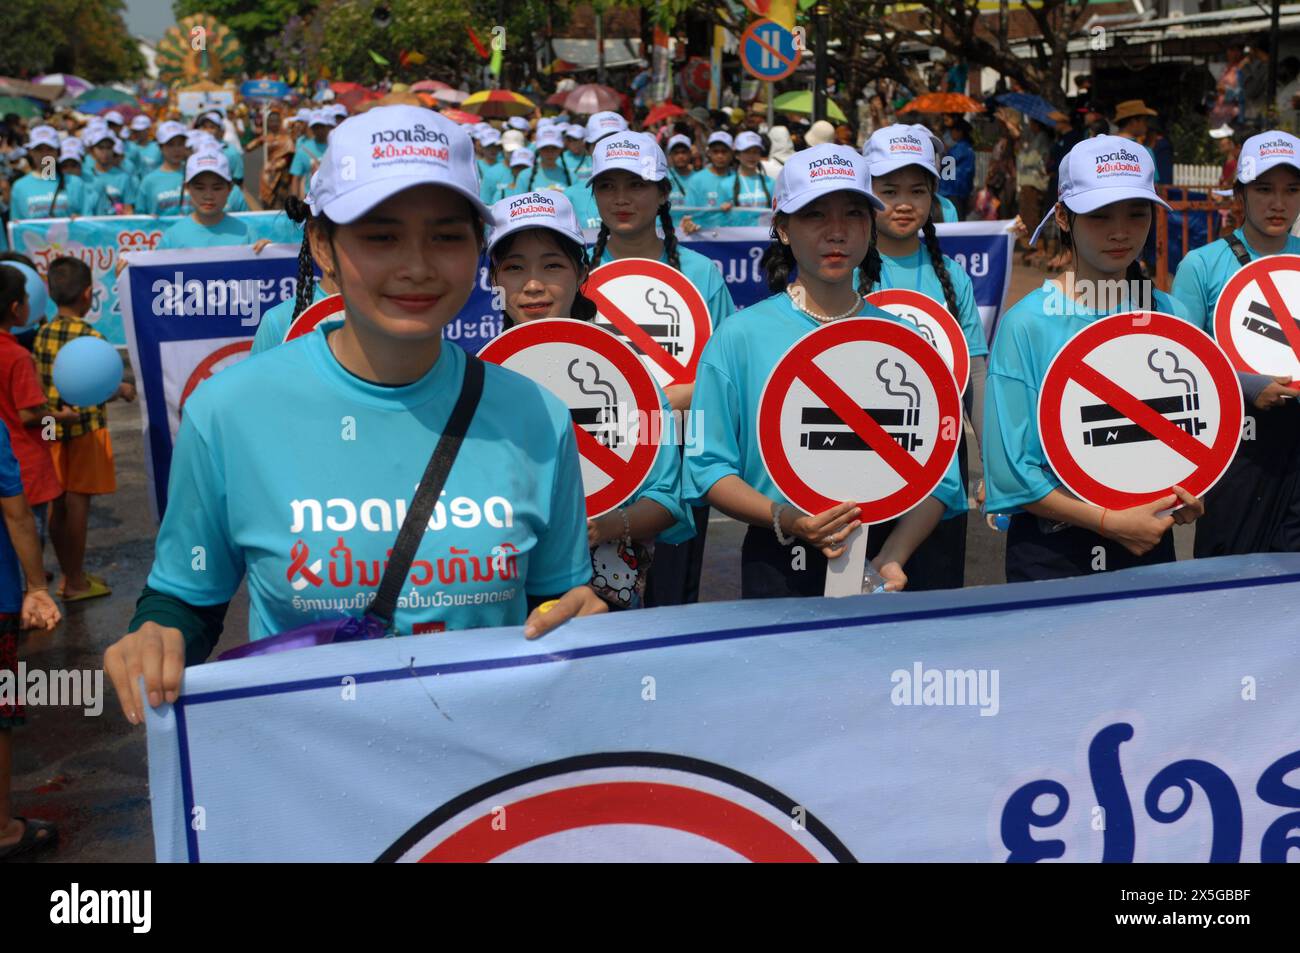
{"points": [[38, 298], [87, 371]]}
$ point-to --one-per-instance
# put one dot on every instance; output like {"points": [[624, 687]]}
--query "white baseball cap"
{"points": [[140, 123], [72, 148], [167, 131], [96, 132], [1221, 132], [604, 123], [722, 137], [302, 115], [819, 170], [322, 117], [209, 115], [518, 122], [549, 136], [679, 140], [748, 140], [489, 137], [337, 109], [199, 138], [635, 152], [1102, 170], [544, 122], [118, 147], [1266, 150], [43, 136], [521, 158], [575, 130], [511, 140], [899, 145], [548, 209], [208, 160], [115, 117], [376, 154]]}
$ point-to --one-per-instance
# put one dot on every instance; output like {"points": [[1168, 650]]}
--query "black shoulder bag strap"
{"points": [[426, 495], [1238, 249]]}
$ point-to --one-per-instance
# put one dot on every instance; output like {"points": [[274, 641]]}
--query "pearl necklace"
{"points": [[824, 319]]}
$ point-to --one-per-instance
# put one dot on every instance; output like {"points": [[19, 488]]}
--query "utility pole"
{"points": [[820, 14], [1272, 60]]}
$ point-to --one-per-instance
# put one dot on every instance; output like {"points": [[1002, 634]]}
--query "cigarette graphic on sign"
{"points": [[894, 376], [1165, 365], [601, 420], [1265, 323], [667, 334]]}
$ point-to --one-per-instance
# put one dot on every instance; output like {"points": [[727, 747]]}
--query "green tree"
{"points": [[86, 37]]}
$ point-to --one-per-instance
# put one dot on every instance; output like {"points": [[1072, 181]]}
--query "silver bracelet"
{"points": [[776, 525]]}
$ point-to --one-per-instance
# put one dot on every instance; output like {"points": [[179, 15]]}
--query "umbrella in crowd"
{"points": [[352, 95], [72, 85], [800, 103], [1034, 107], [455, 96], [19, 106], [591, 98], [498, 104], [460, 116], [429, 86], [663, 111], [556, 99], [943, 103]]}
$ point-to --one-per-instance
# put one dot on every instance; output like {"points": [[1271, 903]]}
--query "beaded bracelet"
{"points": [[776, 525]]}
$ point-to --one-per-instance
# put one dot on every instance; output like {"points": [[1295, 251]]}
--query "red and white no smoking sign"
{"points": [[1257, 318], [311, 317], [656, 310], [935, 324], [1136, 404], [610, 395], [862, 409]]}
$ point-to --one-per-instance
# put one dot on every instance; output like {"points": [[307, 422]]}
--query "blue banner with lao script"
{"points": [[100, 241], [990, 724]]}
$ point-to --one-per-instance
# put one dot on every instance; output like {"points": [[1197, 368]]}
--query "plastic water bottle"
{"points": [[872, 581]]}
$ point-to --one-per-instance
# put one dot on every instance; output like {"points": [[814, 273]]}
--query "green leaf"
{"points": [[377, 58]]}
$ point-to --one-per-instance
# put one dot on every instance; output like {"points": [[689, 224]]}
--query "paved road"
{"points": [[89, 774]]}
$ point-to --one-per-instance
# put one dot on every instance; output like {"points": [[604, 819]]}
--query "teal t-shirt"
{"points": [[308, 516], [703, 273], [493, 182], [949, 210], [916, 272], [187, 233], [708, 188], [308, 151], [161, 193], [275, 322], [579, 165], [1029, 336], [115, 188], [729, 382], [144, 158], [752, 191], [236, 159], [34, 196], [677, 184], [539, 178], [1205, 270], [583, 201]]}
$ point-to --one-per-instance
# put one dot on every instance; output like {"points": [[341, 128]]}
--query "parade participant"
{"points": [[1255, 506], [208, 183], [143, 154], [821, 228], [905, 253], [309, 152], [275, 182], [160, 192], [752, 187], [680, 169], [213, 122], [115, 121], [548, 172], [629, 183], [71, 152], [714, 185], [1104, 218], [45, 191], [576, 155], [519, 165], [537, 257], [114, 183], [402, 237], [492, 168]]}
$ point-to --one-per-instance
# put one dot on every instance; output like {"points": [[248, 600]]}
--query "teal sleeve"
{"points": [[719, 297], [950, 491], [236, 202], [236, 165], [195, 558], [200, 626], [715, 451], [301, 164], [664, 484], [968, 312], [561, 559], [273, 327], [1189, 290], [1015, 464], [145, 199]]}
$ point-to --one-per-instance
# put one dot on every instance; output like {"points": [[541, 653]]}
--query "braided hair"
{"points": [[665, 213], [735, 186], [299, 212], [940, 266], [869, 272], [564, 167]]}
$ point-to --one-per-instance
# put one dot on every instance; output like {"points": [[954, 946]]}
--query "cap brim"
{"points": [[794, 204], [506, 231], [1094, 199], [348, 208], [1260, 171], [893, 165]]}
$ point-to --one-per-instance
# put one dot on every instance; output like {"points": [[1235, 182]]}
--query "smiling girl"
{"points": [[821, 233], [713, 186], [208, 184], [1053, 534], [1255, 507], [296, 467]]}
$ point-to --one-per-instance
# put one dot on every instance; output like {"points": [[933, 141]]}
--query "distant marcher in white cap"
{"points": [[1255, 506], [752, 188], [45, 192], [308, 156], [114, 183], [576, 154], [780, 149], [1105, 209], [713, 186], [821, 229], [492, 168], [681, 167], [518, 164], [208, 184], [142, 153], [213, 122], [1225, 140], [160, 191], [396, 217], [548, 172], [629, 182], [603, 124]]}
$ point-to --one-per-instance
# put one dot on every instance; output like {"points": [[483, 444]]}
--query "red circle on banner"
{"points": [[204, 369], [313, 315], [1287, 334], [626, 325], [920, 476], [906, 299], [625, 476], [1070, 365], [789, 65]]}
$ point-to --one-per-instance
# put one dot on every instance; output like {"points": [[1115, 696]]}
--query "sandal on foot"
{"points": [[97, 589], [37, 835]]}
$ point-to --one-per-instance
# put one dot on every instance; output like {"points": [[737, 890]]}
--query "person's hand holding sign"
{"points": [[1140, 528], [828, 530], [1277, 392], [158, 653]]}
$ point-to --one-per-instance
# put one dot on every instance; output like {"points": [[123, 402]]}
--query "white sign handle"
{"points": [[844, 572]]}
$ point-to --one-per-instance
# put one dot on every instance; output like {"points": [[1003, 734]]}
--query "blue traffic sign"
{"points": [[264, 89], [769, 51]]}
